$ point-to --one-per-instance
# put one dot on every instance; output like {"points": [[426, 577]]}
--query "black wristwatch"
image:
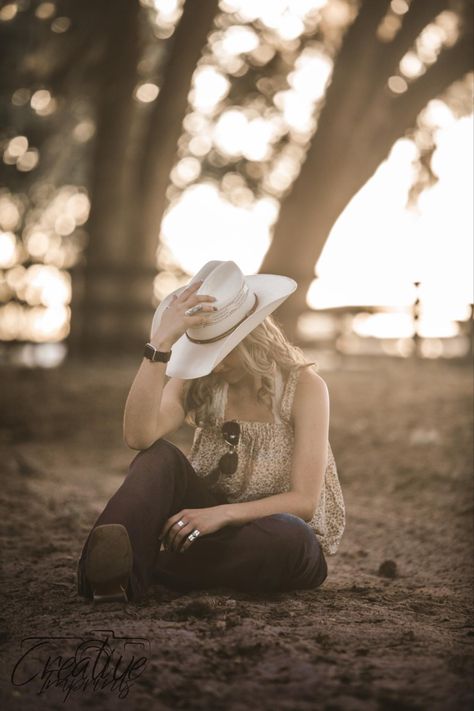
{"points": [[155, 355]]}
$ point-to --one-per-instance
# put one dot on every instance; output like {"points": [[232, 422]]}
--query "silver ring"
{"points": [[180, 523], [193, 310], [194, 534]]}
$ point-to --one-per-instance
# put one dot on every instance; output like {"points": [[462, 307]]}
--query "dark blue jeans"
{"points": [[272, 553]]}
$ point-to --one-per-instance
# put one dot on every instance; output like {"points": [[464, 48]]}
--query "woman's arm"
{"points": [[311, 424], [153, 409]]}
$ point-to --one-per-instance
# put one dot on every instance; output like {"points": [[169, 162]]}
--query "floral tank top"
{"points": [[265, 454]]}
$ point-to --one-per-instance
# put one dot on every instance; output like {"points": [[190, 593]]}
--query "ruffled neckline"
{"points": [[221, 402], [254, 422]]}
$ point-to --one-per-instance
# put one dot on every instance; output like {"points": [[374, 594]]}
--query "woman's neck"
{"points": [[247, 385]]}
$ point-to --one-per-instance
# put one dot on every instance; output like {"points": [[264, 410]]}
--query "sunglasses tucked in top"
{"points": [[228, 463]]}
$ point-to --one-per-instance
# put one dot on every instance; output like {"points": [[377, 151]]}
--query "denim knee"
{"points": [[294, 531], [161, 446], [305, 559], [160, 453]]}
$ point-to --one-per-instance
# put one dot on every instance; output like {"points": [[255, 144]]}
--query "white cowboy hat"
{"points": [[242, 303]]}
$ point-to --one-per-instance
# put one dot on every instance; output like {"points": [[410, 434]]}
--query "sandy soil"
{"points": [[391, 627]]}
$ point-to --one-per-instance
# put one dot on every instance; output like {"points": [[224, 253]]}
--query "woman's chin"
{"points": [[231, 377], [228, 376]]}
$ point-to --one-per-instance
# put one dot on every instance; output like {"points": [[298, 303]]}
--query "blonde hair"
{"points": [[263, 350]]}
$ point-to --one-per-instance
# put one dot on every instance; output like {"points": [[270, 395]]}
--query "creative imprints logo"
{"points": [[96, 661]]}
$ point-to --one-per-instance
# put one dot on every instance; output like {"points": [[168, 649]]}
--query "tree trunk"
{"points": [[355, 133], [111, 288]]}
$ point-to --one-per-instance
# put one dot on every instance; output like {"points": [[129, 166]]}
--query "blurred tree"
{"points": [[90, 59], [361, 119], [130, 177], [107, 287], [158, 149]]}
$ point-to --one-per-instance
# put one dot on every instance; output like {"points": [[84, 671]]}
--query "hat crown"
{"points": [[234, 300], [223, 282]]}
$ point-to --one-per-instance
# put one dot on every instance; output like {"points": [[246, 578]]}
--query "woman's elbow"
{"points": [[135, 444], [308, 514], [308, 509]]}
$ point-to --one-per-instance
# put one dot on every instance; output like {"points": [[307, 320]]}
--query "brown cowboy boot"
{"points": [[108, 563]]}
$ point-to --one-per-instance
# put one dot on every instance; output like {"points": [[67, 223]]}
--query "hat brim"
{"points": [[195, 360]]}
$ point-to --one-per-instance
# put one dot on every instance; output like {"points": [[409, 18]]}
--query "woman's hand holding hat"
{"points": [[201, 340], [185, 310]]}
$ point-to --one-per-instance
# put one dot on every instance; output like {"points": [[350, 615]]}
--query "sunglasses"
{"points": [[227, 464]]}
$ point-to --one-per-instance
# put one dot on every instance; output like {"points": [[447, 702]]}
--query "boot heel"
{"points": [[108, 563], [119, 596]]}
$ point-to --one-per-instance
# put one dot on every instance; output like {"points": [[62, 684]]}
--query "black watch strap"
{"points": [[155, 355]]}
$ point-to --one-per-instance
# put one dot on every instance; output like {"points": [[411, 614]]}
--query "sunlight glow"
{"points": [[9, 211], [284, 16], [400, 7], [51, 323], [239, 39], [46, 285], [186, 171], [60, 25], [384, 325], [45, 10], [202, 226], [37, 324], [236, 134], [146, 93], [397, 84], [396, 247], [17, 152], [7, 249], [28, 160], [312, 72], [411, 65], [42, 102], [308, 83], [84, 131], [378, 251], [8, 11], [209, 88], [17, 146]]}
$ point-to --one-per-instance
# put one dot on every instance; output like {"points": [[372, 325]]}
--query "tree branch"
{"points": [[452, 64], [420, 14], [353, 66], [352, 56], [169, 108]]}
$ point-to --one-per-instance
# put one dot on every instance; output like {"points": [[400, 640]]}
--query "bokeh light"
{"points": [[238, 157]]}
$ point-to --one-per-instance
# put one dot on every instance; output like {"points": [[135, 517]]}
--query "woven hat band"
{"points": [[226, 333]]}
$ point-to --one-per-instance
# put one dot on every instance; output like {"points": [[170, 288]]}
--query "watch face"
{"points": [[149, 351]]}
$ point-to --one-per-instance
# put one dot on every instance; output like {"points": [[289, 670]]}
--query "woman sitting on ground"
{"points": [[257, 504]]}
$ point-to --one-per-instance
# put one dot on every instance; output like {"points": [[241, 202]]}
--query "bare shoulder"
{"points": [[308, 377], [311, 389]]}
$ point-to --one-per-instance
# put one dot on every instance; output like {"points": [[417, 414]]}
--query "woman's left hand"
{"points": [[175, 538]]}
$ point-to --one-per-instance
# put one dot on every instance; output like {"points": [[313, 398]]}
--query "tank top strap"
{"points": [[289, 394], [219, 400], [278, 384]]}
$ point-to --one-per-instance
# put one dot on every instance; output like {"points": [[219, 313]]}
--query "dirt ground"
{"points": [[390, 628]]}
